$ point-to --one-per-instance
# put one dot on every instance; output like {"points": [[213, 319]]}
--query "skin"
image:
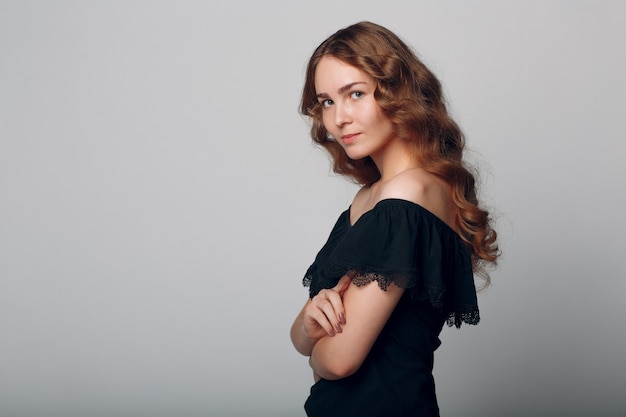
{"points": [[338, 327]]}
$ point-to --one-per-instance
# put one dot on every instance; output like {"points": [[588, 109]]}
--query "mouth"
{"points": [[348, 139]]}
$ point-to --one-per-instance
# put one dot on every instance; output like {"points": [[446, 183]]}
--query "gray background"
{"points": [[160, 201]]}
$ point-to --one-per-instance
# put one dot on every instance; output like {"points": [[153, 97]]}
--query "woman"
{"points": [[400, 260]]}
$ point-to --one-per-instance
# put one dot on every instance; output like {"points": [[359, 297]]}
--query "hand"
{"points": [[324, 314]]}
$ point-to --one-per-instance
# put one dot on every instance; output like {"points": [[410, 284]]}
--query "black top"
{"points": [[401, 242]]}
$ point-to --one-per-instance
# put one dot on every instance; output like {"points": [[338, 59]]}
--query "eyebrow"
{"points": [[342, 89]]}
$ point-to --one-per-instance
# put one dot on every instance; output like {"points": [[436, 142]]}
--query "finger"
{"points": [[341, 287], [332, 307], [343, 284], [330, 303], [318, 315], [335, 312]]}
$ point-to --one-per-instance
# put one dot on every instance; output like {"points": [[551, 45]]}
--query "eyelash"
{"points": [[328, 102], [360, 93]]}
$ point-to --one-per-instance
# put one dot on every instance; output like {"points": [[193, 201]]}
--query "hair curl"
{"points": [[411, 97]]}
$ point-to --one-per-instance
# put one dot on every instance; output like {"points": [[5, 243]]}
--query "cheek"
{"points": [[382, 120], [327, 120], [379, 115]]}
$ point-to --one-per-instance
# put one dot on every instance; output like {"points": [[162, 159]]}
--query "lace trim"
{"points": [[435, 296], [456, 314], [306, 281], [457, 318], [360, 279]]}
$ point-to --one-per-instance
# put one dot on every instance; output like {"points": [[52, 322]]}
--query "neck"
{"points": [[393, 160]]}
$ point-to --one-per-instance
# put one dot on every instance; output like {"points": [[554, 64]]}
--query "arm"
{"points": [[321, 316], [367, 310]]}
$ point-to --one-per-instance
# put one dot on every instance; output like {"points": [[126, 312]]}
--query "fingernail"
{"points": [[338, 327], [342, 318]]}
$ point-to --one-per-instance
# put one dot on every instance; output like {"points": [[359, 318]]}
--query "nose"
{"points": [[342, 115]]}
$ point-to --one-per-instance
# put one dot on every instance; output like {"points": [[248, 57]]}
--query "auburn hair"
{"points": [[410, 95]]}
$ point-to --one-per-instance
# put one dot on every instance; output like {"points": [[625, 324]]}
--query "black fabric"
{"points": [[401, 242]]}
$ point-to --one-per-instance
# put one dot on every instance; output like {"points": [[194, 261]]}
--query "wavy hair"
{"points": [[411, 97]]}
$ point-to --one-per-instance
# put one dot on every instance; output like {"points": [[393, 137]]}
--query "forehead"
{"points": [[331, 74]]}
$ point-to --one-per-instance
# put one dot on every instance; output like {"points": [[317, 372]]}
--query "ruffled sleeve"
{"points": [[400, 242]]}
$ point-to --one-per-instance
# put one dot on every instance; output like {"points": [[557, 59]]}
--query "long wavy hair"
{"points": [[411, 97]]}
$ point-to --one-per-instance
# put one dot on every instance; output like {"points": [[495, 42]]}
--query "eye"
{"points": [[357, 94], [326, 103]]}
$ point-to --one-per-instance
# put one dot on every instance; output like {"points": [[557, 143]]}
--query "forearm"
{"points": [[301, 341], [332, 358], [326, 365]]}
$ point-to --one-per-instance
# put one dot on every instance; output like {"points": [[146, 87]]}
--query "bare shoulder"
{"points": [[423, 188], [416, 185]]}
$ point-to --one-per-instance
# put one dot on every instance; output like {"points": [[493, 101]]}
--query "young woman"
{"points": [[400, 261]]}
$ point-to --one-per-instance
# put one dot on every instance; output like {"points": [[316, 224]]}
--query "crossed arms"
{"points": [[338, 327]]}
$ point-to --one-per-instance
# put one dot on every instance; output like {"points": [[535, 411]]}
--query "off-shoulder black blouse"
{"points": [[401, 242], [396, 242]]}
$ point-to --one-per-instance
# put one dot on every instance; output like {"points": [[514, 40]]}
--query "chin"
{"points": [[356, 155]]}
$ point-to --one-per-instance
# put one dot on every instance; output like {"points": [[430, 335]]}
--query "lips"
{"points": [[348, 139]]}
